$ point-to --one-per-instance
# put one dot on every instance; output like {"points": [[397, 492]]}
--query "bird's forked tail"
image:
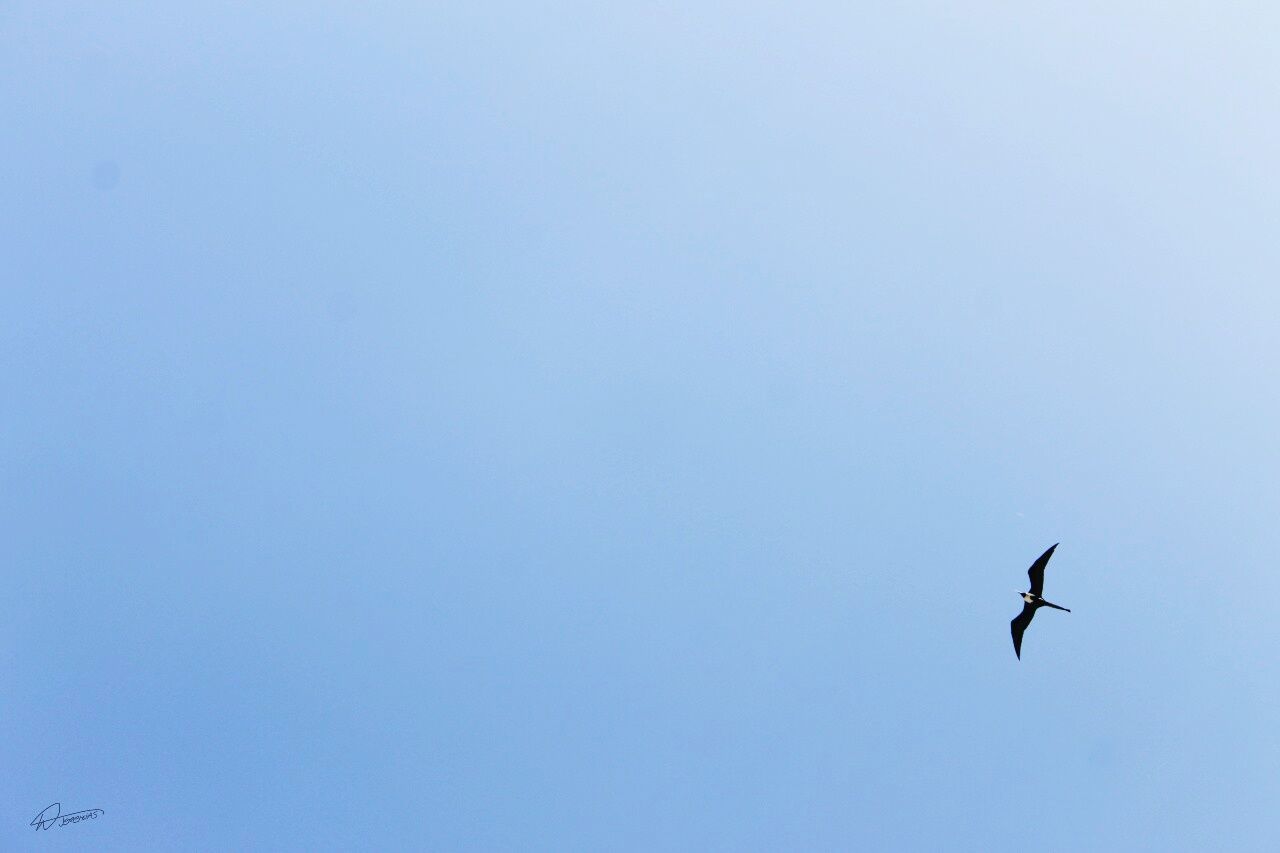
{"points": [[1054, 606]]}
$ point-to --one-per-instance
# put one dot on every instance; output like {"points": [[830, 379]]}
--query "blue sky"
{"points": [[583, 426]]}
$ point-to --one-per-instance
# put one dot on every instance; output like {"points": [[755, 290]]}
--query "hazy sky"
{"points": [[589, 426]]}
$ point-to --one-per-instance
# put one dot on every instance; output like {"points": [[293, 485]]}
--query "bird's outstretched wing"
{"points": [[1019, 625], [1036, 572]]}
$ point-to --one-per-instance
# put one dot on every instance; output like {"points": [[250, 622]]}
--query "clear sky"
{"points": [[598, 426]]}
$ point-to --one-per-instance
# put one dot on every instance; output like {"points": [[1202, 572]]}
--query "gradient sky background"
{"points": [[581, 426]]}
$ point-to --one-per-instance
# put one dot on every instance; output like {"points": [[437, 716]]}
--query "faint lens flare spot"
{"points": [[342, 306], [106, 174], [1104, 753]]}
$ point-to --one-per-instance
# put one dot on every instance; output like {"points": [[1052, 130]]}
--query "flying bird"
{"points": [[1032, 601]]}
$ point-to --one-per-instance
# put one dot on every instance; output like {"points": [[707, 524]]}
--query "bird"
{"points": [[1033, 600]]}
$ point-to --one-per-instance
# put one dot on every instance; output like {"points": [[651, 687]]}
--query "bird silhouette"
{"points": [[1032, 601]]}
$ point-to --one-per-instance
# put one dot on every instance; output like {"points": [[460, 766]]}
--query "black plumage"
{"points": [[1032, 601]]}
